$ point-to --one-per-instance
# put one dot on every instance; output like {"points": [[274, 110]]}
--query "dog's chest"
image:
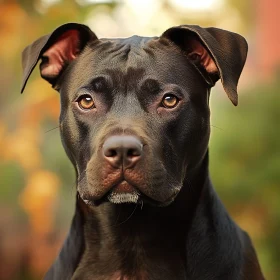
{"points": [[154, 270], [117, 275], [139, 275], [150, 266], [136, 251]]}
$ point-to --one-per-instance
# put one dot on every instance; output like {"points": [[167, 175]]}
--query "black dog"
{"points": [[135, 124]]}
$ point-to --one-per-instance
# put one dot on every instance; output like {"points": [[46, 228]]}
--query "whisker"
{"points": [[216, 126], [73, 189], [117, 218], [129, 216], [52, 129]]}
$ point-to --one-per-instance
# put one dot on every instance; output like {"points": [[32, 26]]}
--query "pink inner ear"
{"points": [[65, 49], [205, 58]]}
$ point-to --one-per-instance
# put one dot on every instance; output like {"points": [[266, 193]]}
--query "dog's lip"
{"points": [[142, 199], [123, 187], [118, 189]]}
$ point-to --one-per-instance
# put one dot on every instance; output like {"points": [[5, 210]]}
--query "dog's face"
{"points": [[137, 88], [134, 112]]}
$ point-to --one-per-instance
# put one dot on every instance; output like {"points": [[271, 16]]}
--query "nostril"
{"points": [[110, 153], [133, 152]]}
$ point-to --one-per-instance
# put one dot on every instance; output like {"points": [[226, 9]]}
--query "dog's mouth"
{"points": [[129, 186], [123, 193]]}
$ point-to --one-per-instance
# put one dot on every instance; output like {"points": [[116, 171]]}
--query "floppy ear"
{"points": [[217, 53], [56, 50]]}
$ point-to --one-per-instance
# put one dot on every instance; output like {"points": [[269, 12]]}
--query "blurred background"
{"points": [[37, 183]]}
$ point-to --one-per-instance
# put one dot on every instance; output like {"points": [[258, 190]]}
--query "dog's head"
{"points": [[134, 112]]}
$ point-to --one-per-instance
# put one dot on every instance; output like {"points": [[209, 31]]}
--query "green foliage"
{"points": [[245, 164], [245, 143]]}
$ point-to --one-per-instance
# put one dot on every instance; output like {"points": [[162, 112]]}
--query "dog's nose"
{"points": [[122, 151]]}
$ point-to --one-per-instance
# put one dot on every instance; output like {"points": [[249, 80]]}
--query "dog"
{"points": [[135, 124]]}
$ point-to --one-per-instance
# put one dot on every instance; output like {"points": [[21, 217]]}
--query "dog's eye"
{"points": [[86, 102], [169, 101]]}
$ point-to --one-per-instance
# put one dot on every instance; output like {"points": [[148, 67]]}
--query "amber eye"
{"points": [[169, 101], [85, 102]]}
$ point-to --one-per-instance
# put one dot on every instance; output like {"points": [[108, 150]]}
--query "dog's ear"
{"points": [[217, 53], [56, 50]]}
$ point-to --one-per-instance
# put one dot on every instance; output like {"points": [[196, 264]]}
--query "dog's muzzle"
{"points": [[122, 152]]}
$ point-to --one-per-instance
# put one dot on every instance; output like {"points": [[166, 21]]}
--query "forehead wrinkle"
{"points": [[120, 51], [133, 61], [132, 50], [124, 52], [111, 49]]}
